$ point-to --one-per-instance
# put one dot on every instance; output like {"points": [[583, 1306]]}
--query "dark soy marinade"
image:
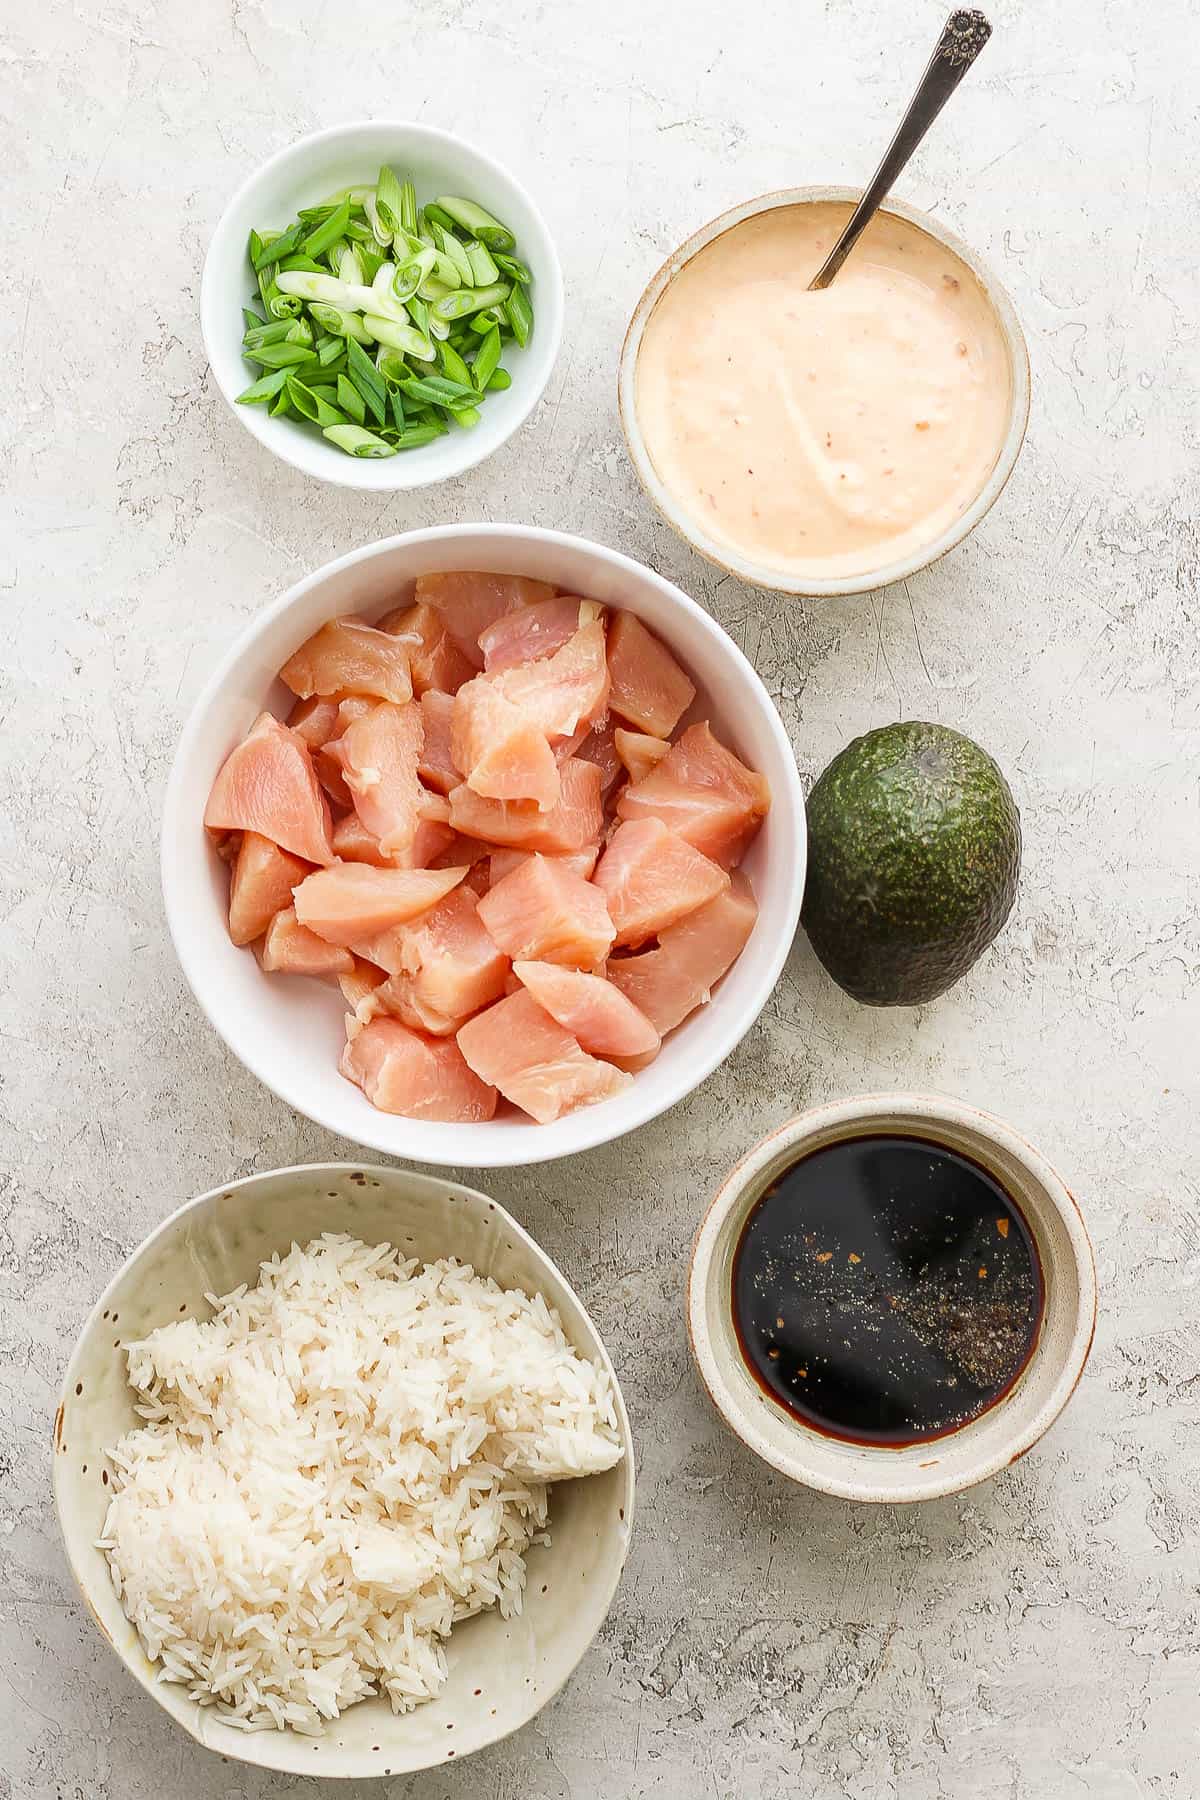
{"points": [[886, 1290]]}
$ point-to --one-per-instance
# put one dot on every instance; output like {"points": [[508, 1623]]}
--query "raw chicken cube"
{"points": [[670, 982], [450, 969], [352, 902], [436, 765], [268, 785], [354, 843], [348, 657], [648, 686], [503, 862], [595, 1012], [535, 631], [378, 755], [650, 878], [600, 747], [639, 753], [434, 659], [574, 822], [504, 723], [402, 1071], [702, 791], [517, 1047], [261, 886], [470, 601], [289, 948], [546, 912], [316, 720], [361, 980]]}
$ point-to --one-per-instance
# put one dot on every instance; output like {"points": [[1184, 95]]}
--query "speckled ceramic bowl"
{"points": [[692, 528], [944, 1465], [501, 1671]]}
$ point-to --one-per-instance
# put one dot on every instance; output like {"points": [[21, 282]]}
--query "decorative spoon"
{"points": [[965, 34]]}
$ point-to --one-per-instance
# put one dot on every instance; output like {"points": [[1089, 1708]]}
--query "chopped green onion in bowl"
{"points": [[380, 323]]}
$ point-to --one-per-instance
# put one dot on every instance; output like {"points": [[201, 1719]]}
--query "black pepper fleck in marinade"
{"points": [[886, 1290]]}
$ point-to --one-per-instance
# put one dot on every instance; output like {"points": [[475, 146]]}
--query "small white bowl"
{"points": [[501, 1672], [691, 528], [945, 1465], [309, 171], [289, 1031]]}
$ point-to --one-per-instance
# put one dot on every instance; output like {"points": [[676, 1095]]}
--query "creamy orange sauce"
{"points": [[827, 433]]}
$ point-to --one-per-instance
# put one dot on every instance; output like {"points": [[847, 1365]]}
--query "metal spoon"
{"points": [[964, 36]]}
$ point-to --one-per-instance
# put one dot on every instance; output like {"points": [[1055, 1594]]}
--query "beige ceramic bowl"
{"points": [[211, 1245], [989, 1443], [689, 526]]}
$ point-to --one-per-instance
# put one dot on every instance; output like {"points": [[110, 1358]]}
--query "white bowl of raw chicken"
{"points": [[289, 1031]]}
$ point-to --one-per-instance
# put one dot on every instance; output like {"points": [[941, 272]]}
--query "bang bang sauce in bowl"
{"points": [[823, 442]]}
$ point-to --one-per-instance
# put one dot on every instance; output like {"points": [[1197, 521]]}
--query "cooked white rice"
{"points": [[339, 1465]]}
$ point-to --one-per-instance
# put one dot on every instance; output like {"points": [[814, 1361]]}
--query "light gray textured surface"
{"points": [[1038, 1638]]}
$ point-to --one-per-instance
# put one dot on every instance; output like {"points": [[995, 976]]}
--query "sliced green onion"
{"points": [[483, 269], [330, 350], [432, 289], [387, 200], [408, 207], [350, 267], [453, 366], [466, 301], [382, 234], [400, 337], [281, 405], [311, 405], [408, 275], [398, 413], [477, 222], [466, 416], [367, 379], [318, 241], [433, 215], [372, 259], [276, 331], [487, 361], [264, 389], [435, 390], [413, 436], [307, 265], [282, 355], [383, 299], [304, 286], [483, 322], [250, 319], [519, 313], [498, 381], [340, 322], [272, 245], [439, 331], [511, 267], [451, 247], [357, 442], [391, 365], [350, 400]]}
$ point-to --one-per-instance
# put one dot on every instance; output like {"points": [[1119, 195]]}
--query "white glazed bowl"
{"points": [[289, 1031], [692, 529], [213, 1244], [310, 170], [922, 1471]]}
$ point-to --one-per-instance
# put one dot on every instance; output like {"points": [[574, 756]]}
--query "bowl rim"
{"points": [[928, 1110], [764, 575], [147, 1678], [551, 308], [592, 1127]]}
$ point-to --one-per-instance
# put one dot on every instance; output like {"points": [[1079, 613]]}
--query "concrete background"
{"points": [[1038, 1638]]}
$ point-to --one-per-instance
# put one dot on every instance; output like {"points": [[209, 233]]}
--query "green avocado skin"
{"points": [[914, 849]]}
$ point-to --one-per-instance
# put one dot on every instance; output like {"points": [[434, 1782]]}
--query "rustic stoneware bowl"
{"points": [[290, 1032], [216, 1242], [991, 1442], [692, 528]]}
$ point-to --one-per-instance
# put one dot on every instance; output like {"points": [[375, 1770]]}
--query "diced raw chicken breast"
{"points": [[517, 1047], [261, 886], [362, 980], [544, 911], [702, 791], [450, 969], [574, 822], [227, 844], [352, 902], [648, 686], [436, 765], [268, 785], [639, 752], [503, 862], [535, 631], [591, 1009], [431, 840], [316, 720], [348, 657], [671, 981], [470, 601], [289, 948], [650, 878], [600, 747], [504, 723], [402, 1071], [434, 659], [354, 843], [378, 755]]}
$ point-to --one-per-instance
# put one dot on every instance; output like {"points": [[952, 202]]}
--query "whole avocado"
{"points": [[914, 849]]}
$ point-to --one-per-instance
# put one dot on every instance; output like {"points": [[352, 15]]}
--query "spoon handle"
{"points": [[965, 34]]}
